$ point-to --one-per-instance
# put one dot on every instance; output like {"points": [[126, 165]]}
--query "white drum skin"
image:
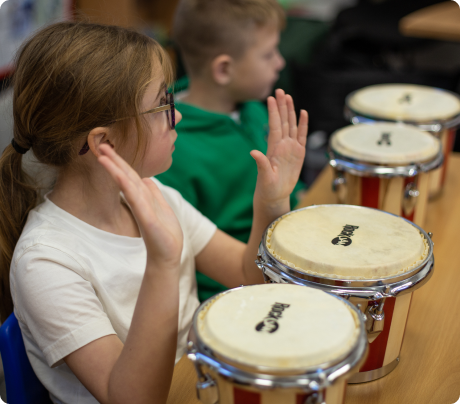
{"points": [[318, 376], [385, 349], [385, 302], [384, 104], [231, 393], [388, 193]]}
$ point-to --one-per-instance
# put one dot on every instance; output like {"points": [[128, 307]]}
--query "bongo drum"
{"points": [[271, 344], [374, 259], [430, 109], [384, 166]]}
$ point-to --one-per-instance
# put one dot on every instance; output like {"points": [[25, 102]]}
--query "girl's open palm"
{"points": [[156, 220], [279, 170]]}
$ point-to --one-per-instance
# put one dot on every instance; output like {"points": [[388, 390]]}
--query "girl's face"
{"points": [[160, 137]]}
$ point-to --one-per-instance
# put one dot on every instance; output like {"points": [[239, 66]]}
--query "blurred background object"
{"points": [[331, 48], [19, 18]]}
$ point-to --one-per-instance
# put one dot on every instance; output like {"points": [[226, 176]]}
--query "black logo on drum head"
{"points": [[344, 238], [385, 139], [405, 99], [270, 324]]}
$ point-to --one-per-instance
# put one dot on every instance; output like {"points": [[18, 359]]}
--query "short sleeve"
{"points": [[57, 305], [198, 228]]}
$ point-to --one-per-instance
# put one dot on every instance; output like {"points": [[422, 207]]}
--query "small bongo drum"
{"points": [[430, 109], [384, 166], [271, 344], [373, 258]]}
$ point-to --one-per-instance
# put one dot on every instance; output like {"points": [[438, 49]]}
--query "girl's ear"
{"points": [[96, 137], [222, 69]]}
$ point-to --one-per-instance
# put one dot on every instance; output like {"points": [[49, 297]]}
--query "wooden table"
{"points": [[429, 371], [440, 21]]}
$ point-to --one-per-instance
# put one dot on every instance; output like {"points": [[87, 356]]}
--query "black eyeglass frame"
{"points": [[169, 108]]}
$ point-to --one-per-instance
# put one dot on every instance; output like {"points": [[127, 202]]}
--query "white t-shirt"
{"points": [[73, 283]]}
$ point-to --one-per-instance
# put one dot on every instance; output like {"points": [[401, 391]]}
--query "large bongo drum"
{"points": [[384, 166], [271, 344], [374, 259], [430, 109]]}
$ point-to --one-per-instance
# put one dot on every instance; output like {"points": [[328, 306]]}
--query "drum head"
{"points": [[280, 327], [385, 143], [346, 242], [404, 102]]}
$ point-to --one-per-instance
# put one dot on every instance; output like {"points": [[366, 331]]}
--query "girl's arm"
{"points": [[229, 261], [140, 371]]}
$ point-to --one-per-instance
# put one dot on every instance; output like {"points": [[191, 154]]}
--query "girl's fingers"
{"points": [[283, 111], [124, 176], [292, 117], [106, 150], [302, 128]]}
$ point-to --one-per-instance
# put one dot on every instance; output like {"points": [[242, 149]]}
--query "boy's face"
{"points": [[256, 72]]}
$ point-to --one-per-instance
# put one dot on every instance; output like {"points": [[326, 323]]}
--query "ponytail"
{"points": [[17, 197], [69, 78]]}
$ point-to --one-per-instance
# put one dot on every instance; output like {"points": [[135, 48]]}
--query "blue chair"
{"points": [[22, 385]]}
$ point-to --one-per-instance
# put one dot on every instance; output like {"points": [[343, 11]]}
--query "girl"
{"points": [[102, 281]]}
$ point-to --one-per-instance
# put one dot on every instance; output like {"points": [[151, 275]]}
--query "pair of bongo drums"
{"points": [[396, 175], [339, 280]]}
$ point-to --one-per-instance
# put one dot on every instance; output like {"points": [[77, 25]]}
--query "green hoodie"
{"points": [[213, 170]]}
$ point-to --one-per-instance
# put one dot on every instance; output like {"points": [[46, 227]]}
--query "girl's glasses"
{"points": [[168, 107]]}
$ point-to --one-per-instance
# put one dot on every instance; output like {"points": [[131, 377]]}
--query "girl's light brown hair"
{"points": [[205, 29], [69, 78]]}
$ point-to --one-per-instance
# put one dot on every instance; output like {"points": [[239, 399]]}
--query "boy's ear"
{"points": [[96, 137], [222, 69]]}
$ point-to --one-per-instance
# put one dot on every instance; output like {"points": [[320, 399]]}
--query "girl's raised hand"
{"points": [[279, 170], [157, 222]]}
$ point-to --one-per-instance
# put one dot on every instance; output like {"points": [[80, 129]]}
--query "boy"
{"points": [[229, 48]]}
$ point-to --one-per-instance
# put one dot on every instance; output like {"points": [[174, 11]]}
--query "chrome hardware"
{"points": [[206, 387], [272, 276], [375, 320], [411, 194], [430, 234], [366, 169], [315, 398], [362, 377], [207, 391], [339, 186], [363, 315]]}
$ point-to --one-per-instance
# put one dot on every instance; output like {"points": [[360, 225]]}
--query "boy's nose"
{"points": [[281, 62]]}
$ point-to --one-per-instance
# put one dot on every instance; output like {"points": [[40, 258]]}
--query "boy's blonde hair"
{"points": [[205, 29]]}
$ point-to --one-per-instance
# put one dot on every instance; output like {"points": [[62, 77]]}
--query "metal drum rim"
{"points": [[359, 167], [350, 283], [447, 123], [312, 378]]}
